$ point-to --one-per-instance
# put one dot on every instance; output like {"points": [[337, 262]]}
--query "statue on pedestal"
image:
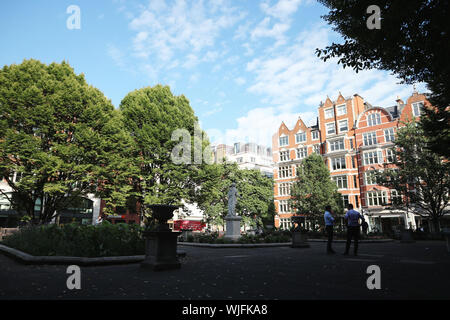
{"points": [[232, 200]]}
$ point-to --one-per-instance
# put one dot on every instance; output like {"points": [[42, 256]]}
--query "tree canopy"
{"points": [[420, 177], [151, 115], [60, 137], [413, 42], [313, 189]]}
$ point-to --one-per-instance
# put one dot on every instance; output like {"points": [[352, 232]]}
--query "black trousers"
{"points": [[329, 230], [352, 233]]}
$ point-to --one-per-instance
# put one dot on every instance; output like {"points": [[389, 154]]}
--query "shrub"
{"points": [[77, 240]]}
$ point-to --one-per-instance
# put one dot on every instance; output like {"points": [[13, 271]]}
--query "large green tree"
{"points": [[421, 178], [413, 42], [313, 189], [61, 136], [153, 116]]}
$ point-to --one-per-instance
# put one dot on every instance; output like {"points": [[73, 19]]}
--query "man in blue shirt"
{"points": [[329, 221], [352, 217]]}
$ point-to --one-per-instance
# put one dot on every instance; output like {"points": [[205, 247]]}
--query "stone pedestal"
{"points": [[299, 240], [161, 250], [233, 227]]}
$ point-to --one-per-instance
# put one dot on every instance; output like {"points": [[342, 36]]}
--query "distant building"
{"points": [[247, 156]]}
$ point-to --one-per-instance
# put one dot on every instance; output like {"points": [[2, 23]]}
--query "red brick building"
{"points": [[354, 139]]}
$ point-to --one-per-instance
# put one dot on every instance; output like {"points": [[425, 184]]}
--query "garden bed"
{"points": [[81, 241]]}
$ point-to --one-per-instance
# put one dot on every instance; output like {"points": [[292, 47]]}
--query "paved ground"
{"points": [[408, 271]]}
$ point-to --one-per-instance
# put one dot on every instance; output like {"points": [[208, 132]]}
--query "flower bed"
{"points": [[75, 240]]}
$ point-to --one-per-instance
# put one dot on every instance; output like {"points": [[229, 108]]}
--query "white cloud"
{"points": [[282, 10], [240, 81], [183, 26]]}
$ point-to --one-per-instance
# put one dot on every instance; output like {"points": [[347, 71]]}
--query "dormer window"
{"points": [[329, 113], [341, 110], [315, 135], [417, 109]]}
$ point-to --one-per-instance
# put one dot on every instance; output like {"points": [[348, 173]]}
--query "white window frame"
{"points": [[327, 126], [341, 110], [327, 113], [420, 109], [340, 125], [315, 135], [390, 156], [336, 145], [370, 138], [338, 163], [302, 152], [287, 141], [284, 155], [341, 182], [372, 157], [376, 198], [369, 178], [389, 134], [300, 134], [373, 119]]}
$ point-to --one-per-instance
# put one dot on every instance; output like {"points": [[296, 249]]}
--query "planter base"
{"points": [[161, 251]]}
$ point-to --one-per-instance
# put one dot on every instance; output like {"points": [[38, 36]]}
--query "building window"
{"points": [[396, 198], [370, 177], [389, 134], [5, 204], [285, 189], [284, 206], [341, 110], [351, 144], [355, 181], [239, 160], [343, 125], [237, 148], [252, 159], [370, 138], [390, 156], [284, 141], [338, 163], [373, 157], [300, 137], [373, 119], [353, 162], [285, 223], [329, 113], [284, 155], [341, 182], [337, 145], [315, 135], [377, 198], [345, 201], [356, 201], [302, 153], [285, 172], [331, 128], [316, 148], [417, 109]]}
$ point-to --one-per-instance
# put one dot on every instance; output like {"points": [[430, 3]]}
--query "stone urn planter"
{"points": [[160, 241]]}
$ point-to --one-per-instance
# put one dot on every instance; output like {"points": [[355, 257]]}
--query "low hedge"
{"points": [[76, 240], [267, 237]]}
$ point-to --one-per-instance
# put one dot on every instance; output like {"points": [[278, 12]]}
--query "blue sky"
{"points": [[244, 65]]}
